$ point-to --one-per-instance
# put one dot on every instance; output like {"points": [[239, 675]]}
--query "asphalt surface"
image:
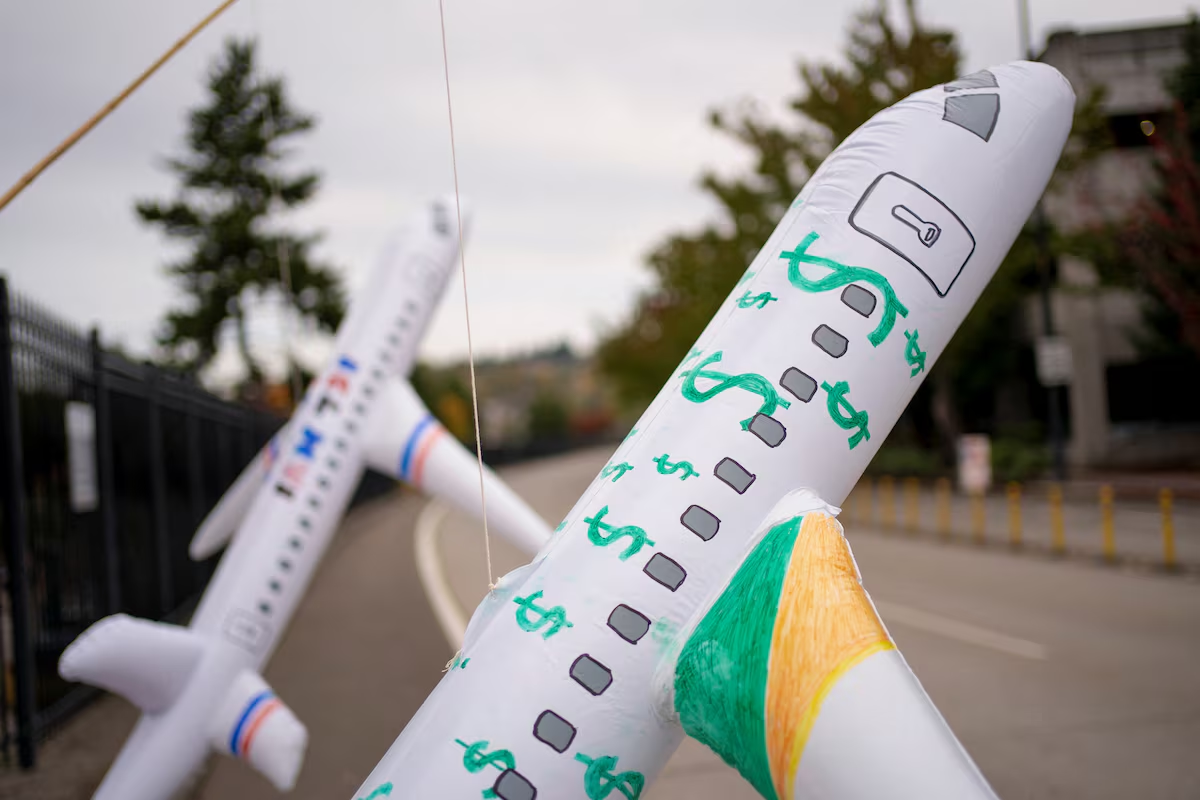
{"points": [[1061, 678]]}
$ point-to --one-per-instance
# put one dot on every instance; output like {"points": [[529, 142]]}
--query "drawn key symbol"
{"points": [[927, 232]]}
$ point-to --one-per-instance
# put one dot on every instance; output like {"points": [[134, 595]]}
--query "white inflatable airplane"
{"points": [[702, 584], [199, 687]]}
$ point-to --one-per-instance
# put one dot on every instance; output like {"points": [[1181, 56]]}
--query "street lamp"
{"points": [[1045, 262]]}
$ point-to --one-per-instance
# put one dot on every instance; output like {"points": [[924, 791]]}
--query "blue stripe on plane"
{"points": [[411, 445], [241, 723]]}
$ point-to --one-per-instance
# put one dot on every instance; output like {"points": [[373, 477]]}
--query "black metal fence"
{"points": [[90, 529]]}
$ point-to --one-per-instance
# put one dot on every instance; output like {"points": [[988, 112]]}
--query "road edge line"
{"points": [[446, 608], [960, 631]]}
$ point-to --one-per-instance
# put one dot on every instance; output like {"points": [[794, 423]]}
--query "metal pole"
{"points": [[1023, 29], [158, 495], [1054, 409], [104, 465], [16, 533]]}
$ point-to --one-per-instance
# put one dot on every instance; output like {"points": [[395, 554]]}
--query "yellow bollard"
{"points": [[887, 501], [943, 507], [912, 504], [1168, 528], [865, 506], [978, 518], [1106, 523], [1058, 535], [1014, 513]]}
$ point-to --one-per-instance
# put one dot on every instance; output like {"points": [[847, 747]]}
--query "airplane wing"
{"points": [[147, 663], [222, 522], [408, 443], [151, 663]]}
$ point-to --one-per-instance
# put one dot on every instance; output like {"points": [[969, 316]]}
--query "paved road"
{"points": [[1062, 678]]}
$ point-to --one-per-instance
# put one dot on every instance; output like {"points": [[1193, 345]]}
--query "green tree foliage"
{"points": [[549, 420], [695, 271], [231, 181]]}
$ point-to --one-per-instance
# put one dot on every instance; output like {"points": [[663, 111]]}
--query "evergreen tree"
{"points": [[695, 271], [231, 182]]}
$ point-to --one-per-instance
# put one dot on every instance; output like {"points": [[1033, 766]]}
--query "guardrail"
{"points": [[1133, 532]]}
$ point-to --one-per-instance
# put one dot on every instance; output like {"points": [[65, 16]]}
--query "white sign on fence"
{"points": [[81, 456]]}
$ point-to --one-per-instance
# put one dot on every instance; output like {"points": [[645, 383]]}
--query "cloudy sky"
{"points": [[580, 130]]}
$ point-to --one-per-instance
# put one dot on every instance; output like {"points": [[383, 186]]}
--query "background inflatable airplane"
{"points": [[199, 687], [728, 606]]}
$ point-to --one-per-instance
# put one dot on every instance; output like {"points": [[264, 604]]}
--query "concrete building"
{"points": [[1112, 423]]}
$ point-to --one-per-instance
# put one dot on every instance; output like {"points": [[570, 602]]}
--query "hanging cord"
{"points": [[487, 543], [69, 142]]}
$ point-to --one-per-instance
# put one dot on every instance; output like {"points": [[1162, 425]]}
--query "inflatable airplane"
{"points": [[199, 687], [697, 587]]}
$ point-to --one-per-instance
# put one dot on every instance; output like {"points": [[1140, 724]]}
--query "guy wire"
{"points": [[487, 544]]}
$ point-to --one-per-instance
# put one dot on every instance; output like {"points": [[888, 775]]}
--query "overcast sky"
{"points": [[580, 129]]}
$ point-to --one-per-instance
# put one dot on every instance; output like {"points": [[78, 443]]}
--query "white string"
{"points": [[462, 259]]}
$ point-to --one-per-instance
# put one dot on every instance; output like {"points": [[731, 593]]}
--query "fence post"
{"points": [[978, 517], [866, 503], [943, 507], [158, 495], [1014, 513], [104, 465], [912, 504], [1106, 523], [1058, 534], [1168, 529], [15, 539], [887, 501]]}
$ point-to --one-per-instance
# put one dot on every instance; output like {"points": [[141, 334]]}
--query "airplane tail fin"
{"points": [[790, 675], [151, 664], [148, 663], [408, 443], [254, 725]]}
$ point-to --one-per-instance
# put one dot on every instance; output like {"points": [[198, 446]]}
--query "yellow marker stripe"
{"points": [[824, 627]]}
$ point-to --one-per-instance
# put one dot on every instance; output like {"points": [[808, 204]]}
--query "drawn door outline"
{"points": [[866, 196]]}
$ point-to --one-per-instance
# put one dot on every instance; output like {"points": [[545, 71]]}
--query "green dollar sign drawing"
{"points": [[599, 781], [746, 301], [852, 418], [665, 467], [596, 524], [556, 617], [749, 381], [913, 353], [475, 760], [620, 469], [383, 790], [842, 275]]}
